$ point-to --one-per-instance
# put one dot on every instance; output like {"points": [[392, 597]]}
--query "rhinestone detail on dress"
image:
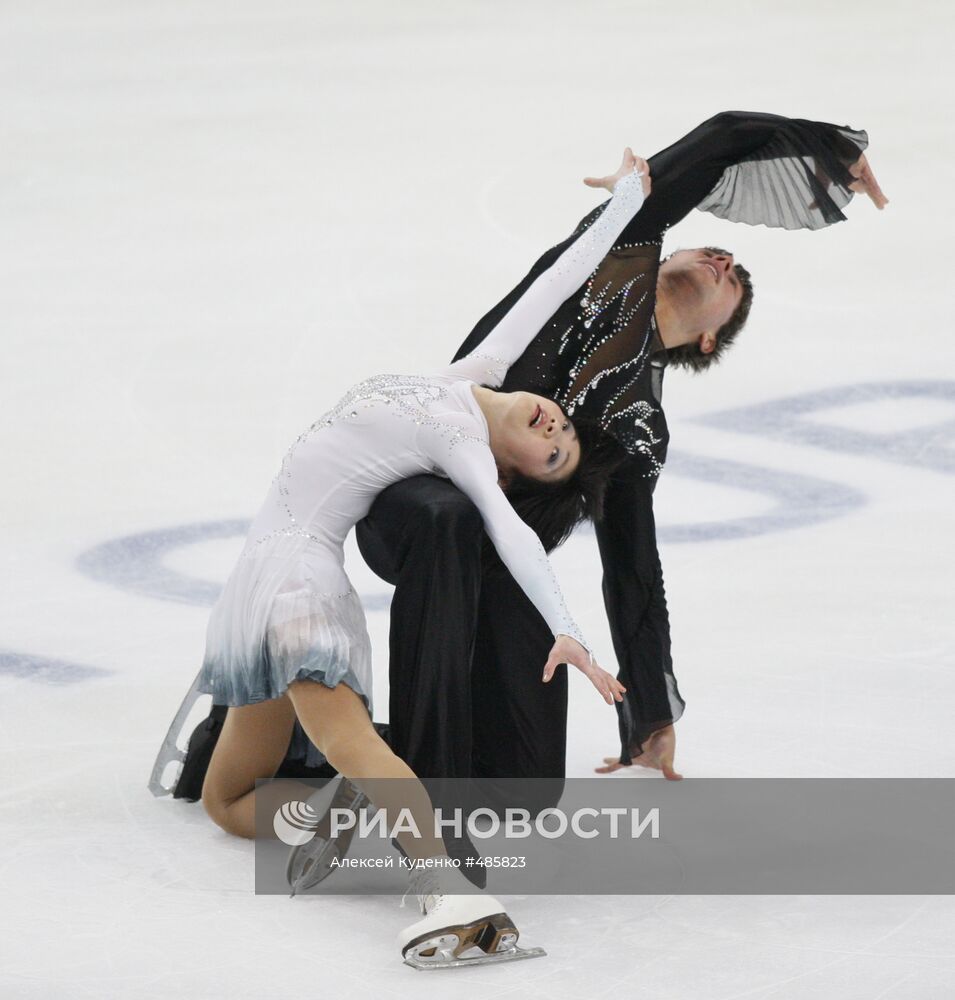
{"points": [[408, 396]]}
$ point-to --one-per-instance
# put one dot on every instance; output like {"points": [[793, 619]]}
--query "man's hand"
{"points": [[658, 751], [628, 165], [865, 183], [568, 650]]}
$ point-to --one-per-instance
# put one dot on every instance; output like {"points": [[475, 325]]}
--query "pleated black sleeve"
{"points": [[747, 166]]}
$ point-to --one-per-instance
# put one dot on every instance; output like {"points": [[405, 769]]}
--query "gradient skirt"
{"points": [[287, 612]]}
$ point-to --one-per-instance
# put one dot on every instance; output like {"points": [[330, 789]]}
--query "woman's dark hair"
{"points": [[553, 510]]}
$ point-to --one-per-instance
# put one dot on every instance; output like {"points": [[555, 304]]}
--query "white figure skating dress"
{"points": [[288, 611]]}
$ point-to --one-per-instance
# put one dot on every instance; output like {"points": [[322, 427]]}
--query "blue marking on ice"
{"points": [[929, 446], [800, 500], [46, 671], [134, 563]]}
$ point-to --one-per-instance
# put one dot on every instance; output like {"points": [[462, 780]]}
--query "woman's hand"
{"points": [[627, 166], [567, 650]]}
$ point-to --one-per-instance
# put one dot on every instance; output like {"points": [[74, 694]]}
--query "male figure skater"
{"points": [[466, 645]]}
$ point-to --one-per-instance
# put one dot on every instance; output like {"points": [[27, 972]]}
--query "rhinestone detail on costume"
{"points": [[408, 397], [605, 313]]}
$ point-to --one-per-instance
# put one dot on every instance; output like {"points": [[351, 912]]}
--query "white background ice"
{"points": [[216, 217]]}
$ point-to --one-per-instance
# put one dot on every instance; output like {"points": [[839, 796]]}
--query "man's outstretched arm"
{"points": [[637, 611], [761, 169], [744, 166]]}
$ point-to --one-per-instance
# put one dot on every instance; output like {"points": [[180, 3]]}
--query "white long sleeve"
{"points": [[489, 362], [470, 466]]}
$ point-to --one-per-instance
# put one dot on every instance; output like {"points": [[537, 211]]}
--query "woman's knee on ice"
{"points": [[218, 809]]}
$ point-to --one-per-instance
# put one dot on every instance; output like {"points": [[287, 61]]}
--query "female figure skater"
{"points": [[287, 638]]}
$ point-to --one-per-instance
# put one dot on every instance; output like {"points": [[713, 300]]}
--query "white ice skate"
{"points": [[459, 927], [310, 863]]}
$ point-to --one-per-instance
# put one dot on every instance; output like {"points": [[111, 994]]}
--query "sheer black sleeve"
{"points": [[761, 169], [637, 610], [744, 166]]}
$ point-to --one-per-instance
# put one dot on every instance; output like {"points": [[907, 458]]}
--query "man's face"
{"points": [[704, 284]]}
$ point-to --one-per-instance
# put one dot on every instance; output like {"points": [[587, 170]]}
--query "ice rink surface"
{"points": [[218, 216]]}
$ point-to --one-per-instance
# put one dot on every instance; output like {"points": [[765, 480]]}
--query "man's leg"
{"points": [[424, 536], [519, 723]]}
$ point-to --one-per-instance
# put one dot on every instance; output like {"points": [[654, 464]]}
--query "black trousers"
{"points": [[467, 646]]}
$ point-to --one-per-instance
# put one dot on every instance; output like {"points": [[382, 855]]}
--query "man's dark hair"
{"points": [[689, 355], [553, 510]]}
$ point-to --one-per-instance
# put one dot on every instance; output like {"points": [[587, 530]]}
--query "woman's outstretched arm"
{"points": [[510, 338], [471, 467]]}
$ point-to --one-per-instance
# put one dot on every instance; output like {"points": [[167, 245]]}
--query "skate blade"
{"points": [[169, 752], [482, 943], [311, 863], [514, 954], [307, 868]]}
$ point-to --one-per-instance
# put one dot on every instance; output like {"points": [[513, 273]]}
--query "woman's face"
{"points": [[535, 439]]}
